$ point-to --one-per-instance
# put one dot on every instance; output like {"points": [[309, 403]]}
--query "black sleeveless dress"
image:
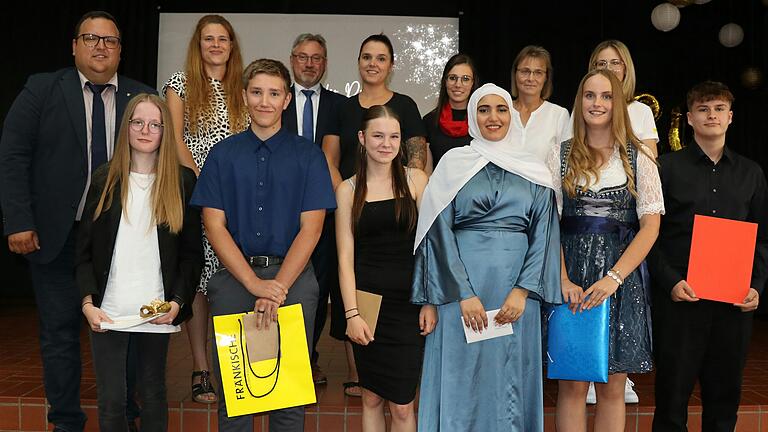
{"points": [[389, 366]]}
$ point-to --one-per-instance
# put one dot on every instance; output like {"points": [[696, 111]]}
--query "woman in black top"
{"points": [[374, 62], [447, 123], [341, 146]]}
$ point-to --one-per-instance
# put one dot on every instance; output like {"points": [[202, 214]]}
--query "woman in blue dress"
{"points": [[608, 189], [487, 239]]}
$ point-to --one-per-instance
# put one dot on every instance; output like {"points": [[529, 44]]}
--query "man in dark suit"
{"points": [[59, 129], [309, 114]]}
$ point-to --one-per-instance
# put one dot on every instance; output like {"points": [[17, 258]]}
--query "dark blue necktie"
{"points": [[98, 127], [308, 118]]}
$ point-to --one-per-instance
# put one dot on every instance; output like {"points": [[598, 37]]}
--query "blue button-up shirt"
{"points": [[263, 187]]}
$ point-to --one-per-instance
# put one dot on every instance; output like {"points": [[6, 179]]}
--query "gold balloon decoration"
{"points": [[674, 130], [652, 102]]}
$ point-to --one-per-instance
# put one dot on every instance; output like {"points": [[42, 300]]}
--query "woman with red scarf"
{"points": [[447, 124]]}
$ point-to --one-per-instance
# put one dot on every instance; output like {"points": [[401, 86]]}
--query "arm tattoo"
{"points": [[416, 150]]}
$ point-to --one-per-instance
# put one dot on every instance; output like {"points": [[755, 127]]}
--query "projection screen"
{"points": [[422, 46]]}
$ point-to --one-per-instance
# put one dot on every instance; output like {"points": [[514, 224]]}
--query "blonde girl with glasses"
{"points": [[614, 56], [137, 241]]}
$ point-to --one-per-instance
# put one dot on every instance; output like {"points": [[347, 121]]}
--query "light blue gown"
{"points": [[500, 231]]}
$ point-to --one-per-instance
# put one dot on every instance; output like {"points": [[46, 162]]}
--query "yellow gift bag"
{"points": [[267, 385]]}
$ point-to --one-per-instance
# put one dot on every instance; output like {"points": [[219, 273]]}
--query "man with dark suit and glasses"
{"points": [[60, 128], [309, 114]]}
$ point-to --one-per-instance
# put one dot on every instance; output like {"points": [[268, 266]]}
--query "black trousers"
{"points": [[705, 341], [111, 365], [58, 304], [326, 265]]}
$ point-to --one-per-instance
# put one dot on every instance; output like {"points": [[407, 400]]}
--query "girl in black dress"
{"points": [[375, 226], [375, 62]]}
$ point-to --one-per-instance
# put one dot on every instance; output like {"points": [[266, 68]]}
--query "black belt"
{"points": [[264, 261]]}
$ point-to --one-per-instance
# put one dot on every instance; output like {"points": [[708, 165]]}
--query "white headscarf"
{"points": [[460, 164]]}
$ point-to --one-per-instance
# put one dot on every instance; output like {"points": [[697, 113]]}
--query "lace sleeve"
{"points": [[649, 197], [553, 163]]}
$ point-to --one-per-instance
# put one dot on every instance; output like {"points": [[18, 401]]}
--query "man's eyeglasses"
{"points": [[303, 58], [613, 64], [536, 73], [465, 79], [91, 40], [138, 126]]}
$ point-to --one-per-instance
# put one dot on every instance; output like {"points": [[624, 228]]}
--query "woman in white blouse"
{"points": [[537, 124], [614, 56], [609, 195]]}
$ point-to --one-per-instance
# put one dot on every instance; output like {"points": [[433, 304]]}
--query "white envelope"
{"points": [[493, 331]]}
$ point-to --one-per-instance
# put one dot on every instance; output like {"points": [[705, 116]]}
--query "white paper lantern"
{"points": [[665, 17], [731, 35]]}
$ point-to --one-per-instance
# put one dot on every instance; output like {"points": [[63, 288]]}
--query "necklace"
{"points": [[135, 179]]}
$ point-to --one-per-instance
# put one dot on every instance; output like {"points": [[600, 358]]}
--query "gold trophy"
{"points": [[155, 307]]}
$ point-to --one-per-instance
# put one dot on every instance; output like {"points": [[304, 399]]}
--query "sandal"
{"points": [[202, 388], [352, 388]]}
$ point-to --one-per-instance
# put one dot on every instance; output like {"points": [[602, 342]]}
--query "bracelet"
{"points": [[612, 274], [350, 310], [83, 305], [618, 273], [350, 317]]}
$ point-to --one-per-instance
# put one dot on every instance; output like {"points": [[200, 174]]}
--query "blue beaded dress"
{"points": [[499, 232], [596, 228]]}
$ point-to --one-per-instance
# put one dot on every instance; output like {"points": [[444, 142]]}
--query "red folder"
{"points": [[722, 252]]}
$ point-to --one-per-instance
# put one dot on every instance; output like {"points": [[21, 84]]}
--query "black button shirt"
{"points": [[733, 188]]}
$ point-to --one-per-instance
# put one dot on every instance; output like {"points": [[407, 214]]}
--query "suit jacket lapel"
{"points": [[122, 96], [73, 96], [289, 119], [115, 213], [321, 116], [164, 240]]}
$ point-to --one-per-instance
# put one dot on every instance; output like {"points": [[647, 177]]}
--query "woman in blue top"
{"points": [[487, 239]]}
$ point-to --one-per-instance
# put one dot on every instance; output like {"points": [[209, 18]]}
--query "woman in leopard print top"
{"points": [[206, 107]]}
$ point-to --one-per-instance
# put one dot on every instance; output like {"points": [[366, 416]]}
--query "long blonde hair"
{"points": [[582, 161], [166, 195], [199, 97], [628, 85]]}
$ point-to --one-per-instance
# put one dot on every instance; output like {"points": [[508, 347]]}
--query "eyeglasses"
{"points": [[222, 40], [465, 79], [536, 73], [138, 126], [91, 40], [612, 64], [303, 58]]}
